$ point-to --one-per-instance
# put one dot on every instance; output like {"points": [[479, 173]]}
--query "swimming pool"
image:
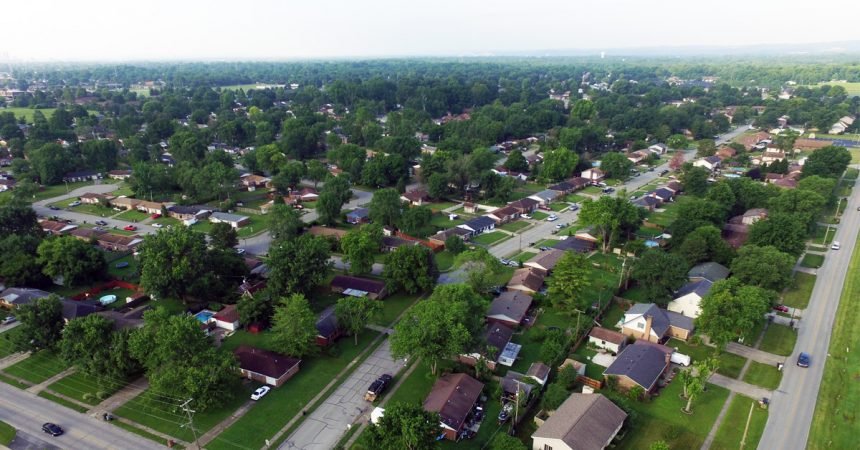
{"points": [[204, 316]]}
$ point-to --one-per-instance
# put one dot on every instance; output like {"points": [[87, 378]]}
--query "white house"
{"points": [[610, 340], [841, 125], [594, 175], [688, 299], [711, 162], [658, 149]]}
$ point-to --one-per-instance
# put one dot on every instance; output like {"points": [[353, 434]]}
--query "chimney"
{"points": [[647, 333]]}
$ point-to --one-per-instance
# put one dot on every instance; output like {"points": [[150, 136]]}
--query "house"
{"points": [[582, 422], [442, 236], [637, 156], [639, 365], [359, 287], [358, 216], [658, 149], [527, 280], [183, 212], [56, 228], [579, 183], [234, 220], [95, 199], [674, 186], [545, 261], [252, 182], [86, 234], [649, 322], [416, 197], [546, 196], [82, 175], [648, 202], [391, 243], [525, 205], [227, 318], [711, 162], [576, 244], [14, 297], [593, 175], [305, 194], [328, 329], [454, 397], [586, 234], [662, 194], [478, 225], [689, 297], [786, 183], [124, 203], [117, 243], [538, 372], [504, 214], [772, 156], [515, 386], [563, 188], [265, 366], [735, 234], [152, 207], [119, 174], [710, 271], [842, 125], [726, 153], [498, 337], [75, 309], [752, 216], [606, 339], [509, 308]]}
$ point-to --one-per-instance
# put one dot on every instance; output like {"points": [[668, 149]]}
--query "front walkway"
{"points": [[740, 387], [36, 388], [754, 354], [121, 396]]}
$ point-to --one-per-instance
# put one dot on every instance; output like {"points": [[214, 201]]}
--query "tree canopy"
{"points": [[299, 264], [411, 268], [731, 309], [660, 274], [294, 326]]}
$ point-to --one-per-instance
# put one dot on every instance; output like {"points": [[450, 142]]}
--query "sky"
{"points": [[111, 30]]}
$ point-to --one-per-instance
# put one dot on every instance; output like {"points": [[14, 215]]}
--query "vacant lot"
{"points": [[27, 113], [731, 431], [798, 295], [779, 340]]}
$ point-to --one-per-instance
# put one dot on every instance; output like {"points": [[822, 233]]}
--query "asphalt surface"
{"points": [[793, 403], [42, 209], [27, 412]]}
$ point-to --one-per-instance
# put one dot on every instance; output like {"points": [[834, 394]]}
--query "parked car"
{"points": [[781, 308], [560, 225], [260, 392], [75, 203], [552, 218], [504, 261], [157, 225], [121, 265], [835, 245], [526, 216], [506, 412], [240, 251], [52, 429], [129, 228], [803, 359], [156, 216], [8, 320], [101, 223], [608, 190], [664, 172], [543, 249], [54, 208], [574, 207], [378, 387]]}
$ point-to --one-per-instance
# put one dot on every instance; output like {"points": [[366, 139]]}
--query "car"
{"points": [[156, 216], [378, 387], [121, 265], [260, 392], [75, 203], [543, 249], [240, 251], [664, 172], [506, 412], [504, 261], [835, 245], [99, 228], [101, 223], [514, 263], [157, 225], [559, 226], [803, 359], [650, 169], [552, 218], [574, 207], [781, 308], [53, 208], [52, 429], [526, 216], [8, 320], [129, 228]]}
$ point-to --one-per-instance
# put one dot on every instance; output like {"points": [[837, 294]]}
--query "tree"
{"points": [[517, 162], [328, 208], [558, 164], [91, 344], [786, 139], [677, 142], [554, 396], [608, 215], [660, 274], [693, 386], [695, 180], [411, 268], [415, 221], [255, 308], [481, 268], [386, 207], [786, 232], [223, 235], [695, 213], [677, 161], [765, 267], [431, 330], [823, 186], [49, 162], [294, 326], [173, 263], [404, 426], [18, 218], [503, 441], [41, 324], [76, 261], [289, 175], [801, 203], [437, 186], [360, 247], [353, 314], [731, 309], [19, 265], [455, 244], [180, 361], [616, 165], [569, 280], [316, 171], [722, 194], [285, 222], [705, 147], [705, 244], [299, 264], [828, 162]]}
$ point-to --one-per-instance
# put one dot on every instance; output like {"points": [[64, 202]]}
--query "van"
{"points": [[680, 358]]}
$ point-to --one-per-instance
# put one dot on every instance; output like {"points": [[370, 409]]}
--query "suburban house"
{"points": [[639, 364], [124, 203], [662, 194], [674, 186], [304, 194], [637, 156], [152, 207], [579, 182], [416, 197], [74, 309], [82, 175], [442, 236], [582, 422], [711, 162], [689, 297], [649, 322], [328, 329], [576, 244], [57, 228], [359, 287], [842, 125], [710, 271], [454, 397], [14, 297], [527, 280], [772, 156], [658, 149], [545, 261], [509, 308], [265, 366], [498, 337], [478, 225], [563, 188], [95, 199], [117, 243], [504, 214], [227, 318], [515, 386], [358, 215], [391, 243], [593, 175], [525, 205], [606, 339], [726, 153], [753, 215], [234, 220], [119, 174], [183, 213], [252, 182], [546, 196], [648, 202]]}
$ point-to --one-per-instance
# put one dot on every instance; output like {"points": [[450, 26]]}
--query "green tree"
{"points": [[298, 265], [415, 221], [437, 186], [825, 187], [660, 274], [360, 248], [255, 308], [20, 266], [222, 235], [558, 164], [411, 268], [677, 142], [765, 267], [695, 180], [705, 244], [568, 282], [285, 221], [503, 441], [91, 344], [731, 309], [173, 263], [786, 232], [49, 162], [517, 162], [289, 175], [695, 213], [554, 396], [616, 165], [722, 194], [828, 162], [804, 204], [76, 261], [41, 324], [404, 426], [328, 208], [353, 314], [455, 244], [294, 326], [693, 386], [608, 216], [316, 171], [386, 207], [705, 147], [481, 268]]}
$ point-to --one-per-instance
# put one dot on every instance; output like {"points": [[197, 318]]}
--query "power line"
{"points": [[190, 424]]}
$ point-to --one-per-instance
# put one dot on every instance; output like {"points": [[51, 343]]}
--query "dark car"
{"points": [[53, 208], [101, 223], [52, 429], [663, 172], [378, 387], [803, 359]]}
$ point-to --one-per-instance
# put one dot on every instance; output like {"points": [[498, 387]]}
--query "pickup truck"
{"points": [[378, 387]]}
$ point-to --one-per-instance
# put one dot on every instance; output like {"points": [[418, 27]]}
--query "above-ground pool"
{"points": [[204, 316], [651, 243], [107, 299]]}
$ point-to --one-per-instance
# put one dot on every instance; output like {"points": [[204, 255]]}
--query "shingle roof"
{"points": [[230, 314], [498, 336], [563, 186], [679, 320], [710, 271], [264, 362], [713, 159], [607, 335], [72, 309], [327, 322], [539, 371], [700, 288], [546, 259], [583, 422], [529, 278], [659, 320], [452, 397], [361, 284], [505, 211], [577, 245], [512, 304], [22, 296], [225, 217], [641, 363], [359, 213], [546, 194], [479, 223], [525, 203]]}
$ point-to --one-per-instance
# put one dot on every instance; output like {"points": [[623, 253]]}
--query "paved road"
{"points": [[41, 208], [26, 441], [794, 402], [27, 412], [328, 423]]}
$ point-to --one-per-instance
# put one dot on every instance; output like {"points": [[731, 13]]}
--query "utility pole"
{"points": [[190, 424]]}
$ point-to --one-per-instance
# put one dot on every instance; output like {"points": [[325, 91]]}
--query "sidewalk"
{"points": [[36, 388], [13, 359], [754, 354], [121, 396], [740, 387]]}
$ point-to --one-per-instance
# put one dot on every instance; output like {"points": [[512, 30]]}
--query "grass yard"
{"points": [[819, 238], [812, 260], [851, 174], [731, 431], [662, 419], [779, 340], [549, 242], [575, 198], [128, 273], [558, 206], [522, 257], [259, 223], [82, 388], [441, 221], [142, 433], [798, 295], [584, 355], [605, 271], [834, 423], [636, 294], [7, 433], [393, 306], [763, 375], [132, 215], [27, 113], [611, 316], [539, 215], [730, 364], [57, 190], [38, 367], [6, 347], [593, 190], [266, 418], [491, 238], [515, 226], [164, 220], [445, 260], [441, 205], [855, 155]]}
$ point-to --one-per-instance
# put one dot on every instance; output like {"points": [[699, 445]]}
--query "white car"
{"points": [[835, 245], [75, 203], [260, 392], [552, 218], [157, 225], [526, 216]]}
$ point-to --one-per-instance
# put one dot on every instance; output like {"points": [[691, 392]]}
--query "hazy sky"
{"points": [[254, 29]]}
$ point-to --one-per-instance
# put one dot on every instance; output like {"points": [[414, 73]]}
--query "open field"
{"points": [[27, 113], [852, 88], [731, 431]]}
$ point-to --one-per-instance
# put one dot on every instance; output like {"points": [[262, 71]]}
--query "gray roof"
{"points": [[579, 245], [679, 320], [713, 159], [710, 271], [512, 304], [479, 223], [513, 384], [700, 288], [547, 194], [583, 422], [327, 322], [663, 193], [359, 212], [225, 217], [546, 259], [659, 320], [22, 296], [641, 363], [498, 336]]}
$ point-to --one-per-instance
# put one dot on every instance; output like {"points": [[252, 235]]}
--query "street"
{"points": [[793, 403]]}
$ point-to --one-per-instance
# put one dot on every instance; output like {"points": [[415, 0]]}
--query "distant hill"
{"points": [[821, 48]]}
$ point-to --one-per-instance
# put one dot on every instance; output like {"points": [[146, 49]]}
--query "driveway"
{"points": [[740, 387], [754, 354]]}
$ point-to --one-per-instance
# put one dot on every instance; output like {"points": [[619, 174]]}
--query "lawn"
{"points": [[57, 190], [522, 257], [127, 273], [441, 205], [605, 272], [549, 242], [393, 306], [731, 431], [166, 220], [812, 260], [6, 337], [82, 388], [576, 198], [662, 419], [132, 215], [818, 236], [636, 294], [513, 227], [491, 238], [7, 433], [730, 364], [592, 190], [763, 375], [613, 315], [779, 340], [558, 206], [852, 88], [27, 113], [834, 423], [442, 221], [445, 260], [281, 404], [798, 295], [85, 208], [38, 367], [539, 215], [259, 223], [584, 355], [667, 214]]}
